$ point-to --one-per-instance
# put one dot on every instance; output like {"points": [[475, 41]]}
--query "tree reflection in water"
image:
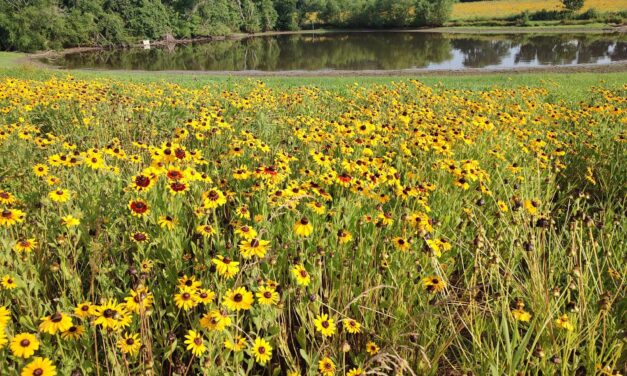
{"points": [[363, 51]]}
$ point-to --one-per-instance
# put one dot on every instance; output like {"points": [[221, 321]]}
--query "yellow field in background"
{"points": [[504, 8]]}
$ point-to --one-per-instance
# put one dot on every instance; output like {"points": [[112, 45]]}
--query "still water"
{"points": [[363, 51]]}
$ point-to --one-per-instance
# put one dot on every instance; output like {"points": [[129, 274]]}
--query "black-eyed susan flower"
{"points": [[420, 221], [186, 298], [261, 351], [301, 275], [317, 207], [236, 344], [146, 266], [225, 267], [167, 222], [563, 322], [39, 367], [195, 343], [303, 227], [242, 212], [112, 315], [7, 198], [24, 345], [401, 244], [355, 372], [190, 282], [343, 236], [25, 245], [531, 206], [205, 230], [502, 206], [94, 161], [215, 320], [433, 284], [139, 237], [142, 182], [253, 247], [267, 296], [8, 282], [140, 300], [55, 323], [372, 348], [59, 195], [74, 332], [138, 207], [351, 326], [9, 217], [213, 198], [40, 170], [246, 232], [5, 317], [205, 296], [326, 366], [70, 221], [521, 315], [130, 343], [325, 325], [238, 299], [178, 187]]}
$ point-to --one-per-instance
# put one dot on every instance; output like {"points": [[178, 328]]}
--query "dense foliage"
{"points": [[50, 24]]}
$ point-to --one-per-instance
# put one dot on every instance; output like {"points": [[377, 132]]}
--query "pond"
{"points": [[356, 51]]}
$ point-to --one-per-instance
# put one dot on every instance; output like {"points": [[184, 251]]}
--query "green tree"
{"points": [[287, 14], [432, 12], [573, 5]]}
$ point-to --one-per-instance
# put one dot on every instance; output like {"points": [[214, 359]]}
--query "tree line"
{"points": [[28, 25]]}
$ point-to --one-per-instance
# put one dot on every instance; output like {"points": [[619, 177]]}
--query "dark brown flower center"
{"points": [[57, 317], [237, 298], [24, 343], [38, 372], [142, 181], [139, 237]]}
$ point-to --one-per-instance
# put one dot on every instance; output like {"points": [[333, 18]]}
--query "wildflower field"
{"points": [[237, 228], [505, 8]]}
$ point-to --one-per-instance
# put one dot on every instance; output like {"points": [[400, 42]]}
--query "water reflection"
{"points": [[364, 51]]}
